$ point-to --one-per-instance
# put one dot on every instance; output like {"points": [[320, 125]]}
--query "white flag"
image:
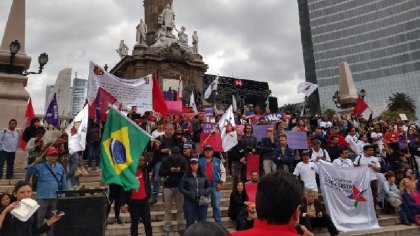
{"points": [[212, 87], [192, 102], [234, 102], [180, 88], [77, 130], [306, 88], [267, 103], [227, 130], [348, 197]]}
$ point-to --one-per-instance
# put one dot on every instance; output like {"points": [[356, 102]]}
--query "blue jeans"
{"points": [[93, 153], [156, 181], [8, 157], [215, 204], [193, 212]]}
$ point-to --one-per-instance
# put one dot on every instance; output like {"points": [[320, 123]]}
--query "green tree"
{"points": [[391, 116], [329, 113], [290, 108], [401, 102]]}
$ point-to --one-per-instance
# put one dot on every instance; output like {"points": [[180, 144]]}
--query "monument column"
{"points": [[13, 96], [347, 89], [152, 10]]}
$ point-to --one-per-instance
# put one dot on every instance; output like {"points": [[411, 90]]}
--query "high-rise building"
{"points": [[79, 95], [62, 89], [379, 39]]}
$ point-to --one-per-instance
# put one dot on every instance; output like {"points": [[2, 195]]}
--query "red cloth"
{"points": [[416, 196], [159, 104], [391, 137], [253, 164], [261, 228], [174, 107], [251, 190], [360, 106], [29, 115], [214, 140], [105, 99], [209, 171], [140, 194]]}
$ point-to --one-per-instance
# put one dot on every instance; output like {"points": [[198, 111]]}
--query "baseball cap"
{"points": [[187, 145], [52, 152], [208, 147], [305, 152], [193, 160]]}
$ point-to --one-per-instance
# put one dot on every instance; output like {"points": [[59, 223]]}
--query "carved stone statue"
{"points": [[195, 42], [182, 36], [141, 33], [122, 50], [167, 18]]}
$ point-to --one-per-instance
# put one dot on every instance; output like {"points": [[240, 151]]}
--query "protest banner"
{"points": [[297, 140], [174, 107], [260, 131], [208, 127]]}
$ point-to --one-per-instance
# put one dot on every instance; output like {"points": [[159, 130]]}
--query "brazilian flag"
{"points": [[122, 144]]}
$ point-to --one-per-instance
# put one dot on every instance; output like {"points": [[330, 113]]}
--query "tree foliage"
{"points": [[401, 102], [290, 108], [329, 113], [391, 116]]}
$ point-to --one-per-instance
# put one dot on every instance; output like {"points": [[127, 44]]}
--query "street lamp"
{"points": [[362, 93], [14, 48], [336, 99]]}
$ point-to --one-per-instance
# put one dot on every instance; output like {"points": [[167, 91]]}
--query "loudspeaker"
{"points": [[84, 216]]}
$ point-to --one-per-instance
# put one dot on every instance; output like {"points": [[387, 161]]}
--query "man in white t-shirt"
{"points": [[377, 137], [343, 160], [351, 139], [367, 159], [306, 171], [158, 131], [318, 153]]}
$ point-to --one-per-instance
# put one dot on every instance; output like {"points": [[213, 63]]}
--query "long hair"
{"points": [[243, 194], [188, 171]]}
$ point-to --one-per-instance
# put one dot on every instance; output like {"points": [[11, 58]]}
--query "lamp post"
{"points": [[336, 99], [14, 48]]}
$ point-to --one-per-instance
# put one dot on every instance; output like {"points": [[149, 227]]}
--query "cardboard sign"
{"points": [[260, 131], [208, 111], [297, 140], [214, 140], [273, 117], [403, 117]]}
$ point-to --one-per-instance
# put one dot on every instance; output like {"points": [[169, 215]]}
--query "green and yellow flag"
{"points": [[122, 144]]}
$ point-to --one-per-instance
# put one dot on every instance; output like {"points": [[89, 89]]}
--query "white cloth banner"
{"points": [[192, 102], [133, 92], [212, 87], [306, 88], [227, 130], [348, 197], [77, 135]]}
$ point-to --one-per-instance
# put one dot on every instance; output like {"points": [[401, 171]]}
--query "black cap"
{"points": [[208, 147], [306, 151]]}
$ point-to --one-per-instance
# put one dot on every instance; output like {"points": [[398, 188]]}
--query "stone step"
{"points": [[390, 230], [116, 229], [159, 215]]}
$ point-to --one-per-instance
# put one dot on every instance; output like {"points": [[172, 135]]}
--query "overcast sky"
{"points": [[257, 40]]}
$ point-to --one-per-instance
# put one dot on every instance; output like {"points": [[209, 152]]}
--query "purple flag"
{"points": [[52, 113], [260, 131]]}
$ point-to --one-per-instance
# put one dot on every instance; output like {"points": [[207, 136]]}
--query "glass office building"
{"points": [[380, 39]]}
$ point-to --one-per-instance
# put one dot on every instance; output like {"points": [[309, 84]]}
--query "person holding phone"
{"points": [[12, 226]]}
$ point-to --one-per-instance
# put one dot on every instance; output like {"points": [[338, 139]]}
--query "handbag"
{"points": [[204, 201], [81, 171]]}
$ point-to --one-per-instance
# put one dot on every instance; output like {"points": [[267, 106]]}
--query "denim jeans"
{"points": [[93, 153], [194, 212], [215, 204], [156, 181], [8, 157]]}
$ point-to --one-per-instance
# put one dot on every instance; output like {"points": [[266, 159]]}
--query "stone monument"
{"points": [[347, 89], [165, 54], [13, 95]]}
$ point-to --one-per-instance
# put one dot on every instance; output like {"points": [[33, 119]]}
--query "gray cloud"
{"points": [[257, 40]]}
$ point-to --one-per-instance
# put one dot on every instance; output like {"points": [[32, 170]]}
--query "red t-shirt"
{"points": [[261, 228], [140, 194], [209, 171]]}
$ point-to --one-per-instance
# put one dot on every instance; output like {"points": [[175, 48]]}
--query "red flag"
{"points": [[159, 104], [360, 106], [105, 99], [29, 115]]}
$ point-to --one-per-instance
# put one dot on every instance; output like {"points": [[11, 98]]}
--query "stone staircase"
{"points": [[389, 223]]}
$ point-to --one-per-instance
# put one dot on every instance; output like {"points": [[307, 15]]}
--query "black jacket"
{"points": [[236, 204], [146, 173], [194, 187], [267, 148], [237, 152], [14, 227], [172, 180]]}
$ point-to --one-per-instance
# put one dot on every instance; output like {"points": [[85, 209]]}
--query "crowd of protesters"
{"points": [[191, 173]]}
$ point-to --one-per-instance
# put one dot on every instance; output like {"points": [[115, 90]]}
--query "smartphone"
{"points": [[58, 212]]}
